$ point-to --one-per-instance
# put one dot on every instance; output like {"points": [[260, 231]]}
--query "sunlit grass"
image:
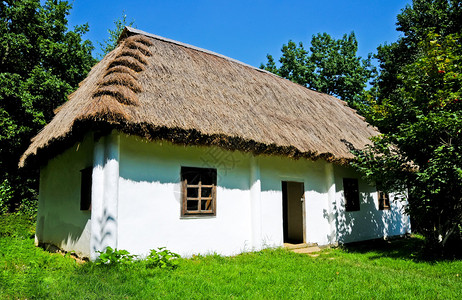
{"points": [[373, 271]]}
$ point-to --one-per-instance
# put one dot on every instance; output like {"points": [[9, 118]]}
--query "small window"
{"points": [[384, 200], [85, 188], [351, 192], [198, 191]]}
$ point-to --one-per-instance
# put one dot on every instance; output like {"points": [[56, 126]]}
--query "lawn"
{"points": [[374, 271]]}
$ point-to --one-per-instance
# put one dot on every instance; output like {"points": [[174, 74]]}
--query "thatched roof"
{"points": [[157, 88]]}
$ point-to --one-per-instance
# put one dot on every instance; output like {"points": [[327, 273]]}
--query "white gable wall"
{"points": [[369, 222], [60, 221]]}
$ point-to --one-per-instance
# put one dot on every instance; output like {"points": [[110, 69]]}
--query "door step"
{"points": [[299, 246], [307, 250]]}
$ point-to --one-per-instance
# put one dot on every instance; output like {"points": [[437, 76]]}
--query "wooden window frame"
{"points": [[384, 200], [86, 180], [351, 196], [210, 201]]}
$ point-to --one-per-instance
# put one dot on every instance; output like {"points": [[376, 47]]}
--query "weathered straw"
{"points": [[136, 54], [121, 69], [121, 93], [130, 44], [188, 95], [120, 81], [105, 107], [121, 78], [138, 38], [128, 61]]}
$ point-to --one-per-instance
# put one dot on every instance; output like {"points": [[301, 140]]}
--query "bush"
{"points": [[17, 225], [6, 194], [160, 258], [114, 257], [163, 258]]}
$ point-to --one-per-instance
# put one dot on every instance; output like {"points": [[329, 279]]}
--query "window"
{"points": [[198, 191], [85, 188], [384, 200], [351, 192]]}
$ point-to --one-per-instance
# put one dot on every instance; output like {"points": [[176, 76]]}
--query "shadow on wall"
{"points": [[367, 223], [61, 220], [103, 239], [161, 163], [53, 230]]}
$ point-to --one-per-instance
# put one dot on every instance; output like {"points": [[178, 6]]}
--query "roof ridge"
{"points": [[164, 39]]}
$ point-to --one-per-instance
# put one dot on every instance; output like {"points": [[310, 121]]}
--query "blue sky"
{"points": [[246, 30]]}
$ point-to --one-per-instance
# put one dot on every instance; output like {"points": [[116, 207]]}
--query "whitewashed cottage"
{"points": [[166, 144]]}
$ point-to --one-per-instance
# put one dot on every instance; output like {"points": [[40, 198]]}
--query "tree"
{"points": [[418, 108], [331, 66], [41, 62], [114, 34], [442, 17]]}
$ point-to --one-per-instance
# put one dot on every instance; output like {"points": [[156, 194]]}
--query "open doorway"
{"points": [[293, 199]]}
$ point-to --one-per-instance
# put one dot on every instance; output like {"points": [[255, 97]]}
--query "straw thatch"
{"points": [[157, 88]]}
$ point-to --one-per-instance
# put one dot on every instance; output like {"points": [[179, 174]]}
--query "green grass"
{"points": [[372, 271]]}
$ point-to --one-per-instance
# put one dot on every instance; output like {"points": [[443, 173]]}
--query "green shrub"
{"points": [[162, 258], [17, 225], [6, 194], [28, 207], [10, 204], [114, 257]]}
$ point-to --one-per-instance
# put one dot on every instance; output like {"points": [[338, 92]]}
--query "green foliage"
{"points": [[114, 34], [416, 21], [420, 151], [416, 103], [331, 66], [17, 226], [162, 258], [114, 257], [386, 270], [41, 62], [6, 194]]}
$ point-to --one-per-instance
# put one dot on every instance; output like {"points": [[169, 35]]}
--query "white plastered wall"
{"points": [[150, 200], [104, 195], [136, 200], [249, 201], [60, 221], [369, 222], [312, 174]]}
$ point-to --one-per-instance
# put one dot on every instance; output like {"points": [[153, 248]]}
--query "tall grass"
{"points": [[373, 271]]}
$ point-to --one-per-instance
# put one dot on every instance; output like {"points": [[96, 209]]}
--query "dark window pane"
{"points": [[85, 188], [193, 192], [192, 177], [209, 177], [192, 204], [206, 192], [351, 193], [206, 205]]}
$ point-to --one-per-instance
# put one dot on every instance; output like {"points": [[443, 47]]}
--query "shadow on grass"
{"points": [[413, 248]]}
